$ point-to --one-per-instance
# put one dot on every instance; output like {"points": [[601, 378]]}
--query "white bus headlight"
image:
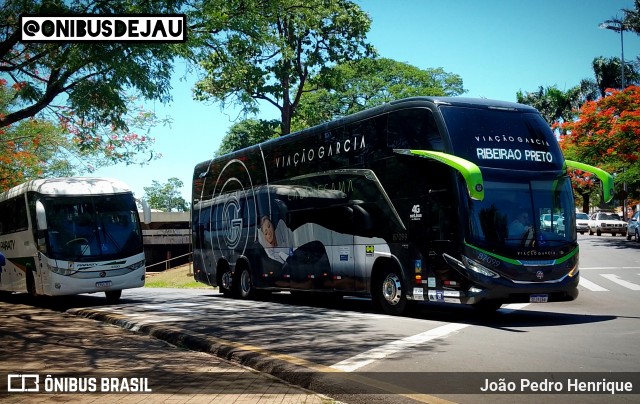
{"points": [[62, 271], [135, 266]]}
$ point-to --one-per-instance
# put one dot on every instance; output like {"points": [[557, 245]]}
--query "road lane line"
{"points": [[609, 268], [381, 352], [591, 286], [365, 358], [616, 279]]}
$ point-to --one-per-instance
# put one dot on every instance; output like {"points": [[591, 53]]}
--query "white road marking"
{"points": [[381, 352], [621, 282], [365, 358], [591, 286], [609, 268]]}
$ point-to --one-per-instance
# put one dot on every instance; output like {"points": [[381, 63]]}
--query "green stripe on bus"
{"points": [[518, 262], [500, 257], [23, 262]]}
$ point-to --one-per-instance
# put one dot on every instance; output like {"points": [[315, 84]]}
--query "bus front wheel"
{"points": [[31, 284], [389, 293], [113, 296], [485, 307]]}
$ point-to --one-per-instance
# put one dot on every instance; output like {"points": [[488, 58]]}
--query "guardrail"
{"points": [[166, 262]]}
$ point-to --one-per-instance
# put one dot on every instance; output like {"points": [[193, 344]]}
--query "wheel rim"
{"points": [[226, 280], [392, 289], [245, 282]]}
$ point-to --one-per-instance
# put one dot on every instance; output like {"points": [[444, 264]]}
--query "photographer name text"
{"points": [[571, 385]]}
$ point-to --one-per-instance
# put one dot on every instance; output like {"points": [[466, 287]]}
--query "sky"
{"points": [[498, 47]]}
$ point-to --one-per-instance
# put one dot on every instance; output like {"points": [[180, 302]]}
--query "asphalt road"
{"points": [[439, 351]]}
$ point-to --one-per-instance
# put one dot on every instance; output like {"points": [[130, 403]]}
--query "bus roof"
{"points": [[411, 102], [68, 186]]}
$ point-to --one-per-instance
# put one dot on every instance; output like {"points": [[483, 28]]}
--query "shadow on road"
{"points": [[280, 307], [606, 240]]}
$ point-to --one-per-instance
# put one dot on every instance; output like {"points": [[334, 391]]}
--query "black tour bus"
{"points": [[422, 199]]}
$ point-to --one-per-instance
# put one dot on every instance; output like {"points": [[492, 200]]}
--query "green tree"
{"points": [[557, 106], [40, 147], [166, 197], [85, 85], [247, 133], [609, 74], [254, 50], [357, 85]]}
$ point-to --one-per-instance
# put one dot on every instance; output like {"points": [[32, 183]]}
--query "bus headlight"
{"points": [[135, 266], [62, 271], [574, 271], [479, 268]]}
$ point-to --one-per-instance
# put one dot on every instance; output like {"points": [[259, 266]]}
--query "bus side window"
{"points": [[413, 129]]}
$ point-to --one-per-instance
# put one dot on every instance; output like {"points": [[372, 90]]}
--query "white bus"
{"points": [[67, 236]]}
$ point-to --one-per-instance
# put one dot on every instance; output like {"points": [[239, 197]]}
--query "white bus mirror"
{"points": [[41, 217]]}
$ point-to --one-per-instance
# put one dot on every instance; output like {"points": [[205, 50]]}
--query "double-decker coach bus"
{"points": [[65, 236], [423, 199]]}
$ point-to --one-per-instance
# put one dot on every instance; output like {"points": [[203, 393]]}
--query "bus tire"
{"points": [[113, 296], [225, 280], [486, 307], [31, 284], [389, 292], [244, 283]]}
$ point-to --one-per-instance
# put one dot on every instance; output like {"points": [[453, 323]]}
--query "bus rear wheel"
{"points": [[225, 283], [244, 284], [389, 293]]}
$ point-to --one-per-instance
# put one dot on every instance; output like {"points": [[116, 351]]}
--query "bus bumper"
{"points": [[507, 291], [61, 285]]}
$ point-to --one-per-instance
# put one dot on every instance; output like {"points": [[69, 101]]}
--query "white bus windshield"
{"points": [[515, 217], [88, 228]]}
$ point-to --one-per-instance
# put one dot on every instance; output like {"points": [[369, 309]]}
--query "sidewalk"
{"points": [[37, 341]]}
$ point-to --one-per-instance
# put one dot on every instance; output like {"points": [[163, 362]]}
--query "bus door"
{"points": [[439, 223]]}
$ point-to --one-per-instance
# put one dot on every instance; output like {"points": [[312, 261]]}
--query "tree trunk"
{"points": [[585, 202]]}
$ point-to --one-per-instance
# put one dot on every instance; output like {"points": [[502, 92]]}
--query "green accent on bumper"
{"points": [[518, 262], [500, 257], [568, 256], [605, 177], [470, 171]]}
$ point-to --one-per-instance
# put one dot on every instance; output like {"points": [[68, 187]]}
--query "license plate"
{"points": [[538, 298], [103, 284]]}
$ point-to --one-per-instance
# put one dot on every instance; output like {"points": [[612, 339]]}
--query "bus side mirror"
{"points": [[3, 261], [41, 217], [146, 211]]}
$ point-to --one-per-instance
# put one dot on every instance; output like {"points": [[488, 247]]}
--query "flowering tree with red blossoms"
{"points": [[607, 134]]}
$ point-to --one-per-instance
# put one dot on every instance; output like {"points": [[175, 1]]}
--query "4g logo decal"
{"points": [[416, 213]]}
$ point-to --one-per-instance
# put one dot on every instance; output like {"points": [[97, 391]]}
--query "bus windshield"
{"points": [[520, 218], [89, 228]]}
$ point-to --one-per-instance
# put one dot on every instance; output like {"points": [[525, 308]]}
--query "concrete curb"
{"points": [[327, 382]]}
